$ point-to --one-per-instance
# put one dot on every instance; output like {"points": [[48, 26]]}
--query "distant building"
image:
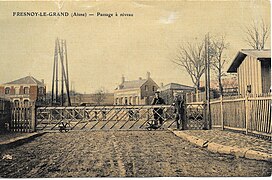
{"points": [[230, 86], [135, 92], [167, 91], [27, 89], [253, 68], [92, 99]]}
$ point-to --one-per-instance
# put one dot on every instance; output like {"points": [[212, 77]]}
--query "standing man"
{"points": [[179, 110], [158, 112]]}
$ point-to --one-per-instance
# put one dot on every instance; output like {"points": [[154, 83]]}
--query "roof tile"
{"points": [[26, 80]]}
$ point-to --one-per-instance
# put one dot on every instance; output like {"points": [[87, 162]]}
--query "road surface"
{"points": [[119, 154]]}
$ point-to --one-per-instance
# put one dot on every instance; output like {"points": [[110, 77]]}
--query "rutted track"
{"points": [[121, 153]]}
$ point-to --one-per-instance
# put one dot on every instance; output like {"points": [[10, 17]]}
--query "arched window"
{"points": [[16, 103], [26, 90], [7, 90], [154, 88], [26, 102]]}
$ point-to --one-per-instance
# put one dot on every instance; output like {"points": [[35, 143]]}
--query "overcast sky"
{"points": [[101, 49]]}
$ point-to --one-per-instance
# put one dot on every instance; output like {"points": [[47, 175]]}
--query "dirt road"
{"points": [[121, 153]]}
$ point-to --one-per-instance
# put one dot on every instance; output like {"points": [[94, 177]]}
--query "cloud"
{"points": [[169, 19]]}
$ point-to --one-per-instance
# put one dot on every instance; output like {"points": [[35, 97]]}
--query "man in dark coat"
{"points": [[158, 112], [179, 110]]}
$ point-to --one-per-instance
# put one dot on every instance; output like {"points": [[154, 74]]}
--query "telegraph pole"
{"points": [[54, 67], [67, 80], [60, 49], [62, 78], [208, 123]]}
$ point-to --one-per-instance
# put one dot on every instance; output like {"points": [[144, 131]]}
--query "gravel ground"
{"points": [[10, 135], [229, 138], [119, 154]]}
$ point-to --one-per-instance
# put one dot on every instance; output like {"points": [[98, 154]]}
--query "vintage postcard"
{"points": [[177, 88]]}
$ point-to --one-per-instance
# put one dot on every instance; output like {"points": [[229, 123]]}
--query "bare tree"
{"points": [[217, 47], [191, 58], [257, 34], [100, 96]]}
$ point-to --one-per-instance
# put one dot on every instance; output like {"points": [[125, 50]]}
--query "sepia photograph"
{"points": [[135, 89]]}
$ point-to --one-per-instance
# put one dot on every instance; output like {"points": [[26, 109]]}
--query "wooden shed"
{"points": [[253, 68]]}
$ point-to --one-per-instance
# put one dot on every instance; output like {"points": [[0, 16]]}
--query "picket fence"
{"points": [[250, 114]]}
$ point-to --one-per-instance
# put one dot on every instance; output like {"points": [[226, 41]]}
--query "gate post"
{"points": [[33, 117], [184, 118], [246, 112], [205, 115], [222, 113]]}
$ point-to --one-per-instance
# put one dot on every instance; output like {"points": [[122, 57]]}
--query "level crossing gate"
{"points": [[28, 118], [116, 117], [101, 117]]}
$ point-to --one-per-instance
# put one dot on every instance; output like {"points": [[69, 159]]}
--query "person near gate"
{"points": [[179, 111], [158, 112]]}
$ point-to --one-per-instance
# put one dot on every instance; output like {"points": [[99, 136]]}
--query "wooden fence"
{"points": [[22, 117], [5, 113], [251, 114], [198, 97]]}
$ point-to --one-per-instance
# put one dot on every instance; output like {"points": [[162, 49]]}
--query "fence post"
{"points": [[222, 112], [246, 112], [33, 118]]}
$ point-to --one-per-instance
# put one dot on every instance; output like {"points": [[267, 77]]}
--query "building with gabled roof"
{"points": [[253, 68], [135, 92], [26, 89], [167, 91]]}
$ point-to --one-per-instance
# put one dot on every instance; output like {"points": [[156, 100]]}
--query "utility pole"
{"points": [[67, 80], [208, 123], [62, 77], [60, 49], [54, 68]]}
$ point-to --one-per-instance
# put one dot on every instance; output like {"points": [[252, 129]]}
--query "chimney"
{"points": [[147, 75], [123, 78], [140, 78], [161, 84], [42, 80]]}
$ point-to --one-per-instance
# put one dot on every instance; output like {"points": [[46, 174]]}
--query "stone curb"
{"points": [[222, 149], [18, 140]]}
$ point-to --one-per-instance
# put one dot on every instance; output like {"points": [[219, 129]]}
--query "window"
{"points": [[7, 90], [26, 90], [26, 103], [16, 103], [146, 88], [154, 88], [40, 90]]}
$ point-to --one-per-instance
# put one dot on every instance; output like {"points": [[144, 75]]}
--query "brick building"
{"points": [[136, 92], [167, 91], [27, 89]]}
